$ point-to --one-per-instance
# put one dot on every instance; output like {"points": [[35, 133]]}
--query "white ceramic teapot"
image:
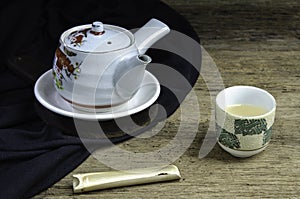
{"points": [[98, 66]]}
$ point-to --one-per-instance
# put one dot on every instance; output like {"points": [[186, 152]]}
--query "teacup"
{"points": [[244, 119]]}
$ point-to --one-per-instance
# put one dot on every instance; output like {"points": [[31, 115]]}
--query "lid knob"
{"points": [[97, 27]]}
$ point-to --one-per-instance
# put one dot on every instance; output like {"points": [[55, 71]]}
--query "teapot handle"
{"points": [[151, 32]]}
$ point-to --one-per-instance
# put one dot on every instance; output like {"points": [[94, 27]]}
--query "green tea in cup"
{"points": [[246, 110]]}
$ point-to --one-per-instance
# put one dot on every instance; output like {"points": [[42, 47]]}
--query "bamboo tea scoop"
{"points": [[111, 179]]}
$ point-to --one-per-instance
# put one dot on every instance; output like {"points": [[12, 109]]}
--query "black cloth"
{"points": [[38, 147]]}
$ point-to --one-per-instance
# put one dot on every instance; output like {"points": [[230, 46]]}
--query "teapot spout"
{"points": [[144, 59], [129, 81]]}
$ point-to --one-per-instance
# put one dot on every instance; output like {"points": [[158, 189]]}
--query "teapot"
{"points": [[99, 66]]}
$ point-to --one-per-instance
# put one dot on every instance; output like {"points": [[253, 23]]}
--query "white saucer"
{"points": [[46, 94]]}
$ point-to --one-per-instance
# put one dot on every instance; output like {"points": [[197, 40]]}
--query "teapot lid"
{"points": [[97, 38]]}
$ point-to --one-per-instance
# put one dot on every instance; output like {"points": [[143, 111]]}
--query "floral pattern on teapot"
{"points": [[64, 69], [78, 38]]}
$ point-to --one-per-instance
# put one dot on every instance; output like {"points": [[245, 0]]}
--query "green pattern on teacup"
{"points": [[267, 136], [228, 139], [244, 127], [250, 126]]}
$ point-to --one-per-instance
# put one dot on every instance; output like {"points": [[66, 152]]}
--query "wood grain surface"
{"points": [[252, 42]]}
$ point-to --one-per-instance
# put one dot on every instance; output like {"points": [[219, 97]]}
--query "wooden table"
{"points": [[252, 42]]}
